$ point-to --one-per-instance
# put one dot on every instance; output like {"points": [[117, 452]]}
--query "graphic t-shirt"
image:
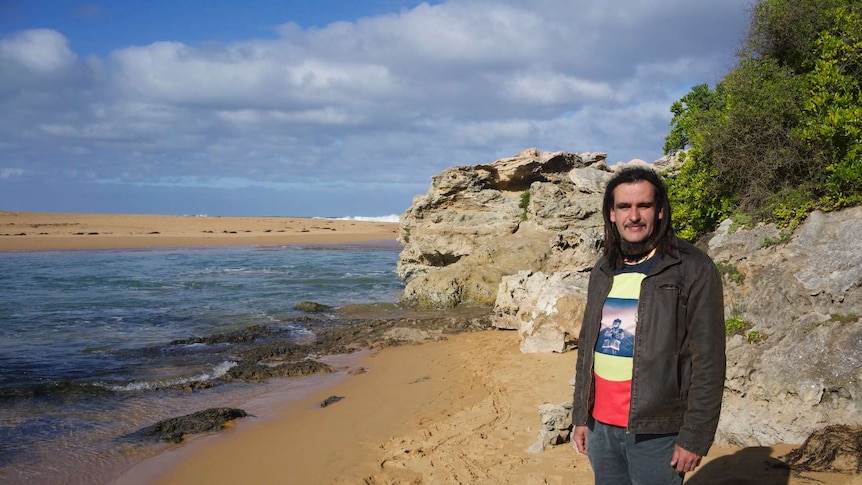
{"points": [[614, 350]]}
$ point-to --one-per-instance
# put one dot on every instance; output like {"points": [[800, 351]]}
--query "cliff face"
{"points": [[521, 234], [795, 366]]}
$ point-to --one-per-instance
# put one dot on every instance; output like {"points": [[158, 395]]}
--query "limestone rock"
{"points": [[830, 245], [798, 368], [531, 165], [556, 426], [471, 228], [590, 180], [474, 278], [546, 309]]}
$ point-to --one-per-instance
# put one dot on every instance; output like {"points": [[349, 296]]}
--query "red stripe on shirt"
{"points": [[612, 401]]}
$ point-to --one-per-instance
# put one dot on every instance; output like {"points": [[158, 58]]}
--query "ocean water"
{"points": [[84, 340]]}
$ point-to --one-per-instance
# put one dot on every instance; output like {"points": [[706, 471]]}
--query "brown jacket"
{"points": [[679, 359]]}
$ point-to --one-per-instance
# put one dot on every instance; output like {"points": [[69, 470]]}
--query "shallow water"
{"points": [[84, 340]]}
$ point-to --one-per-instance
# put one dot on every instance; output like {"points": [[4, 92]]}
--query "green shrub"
{"points": [[735, 326], [790, 206], [754, 337], [783, 238], [781, 134], [839, 318], [731, 272], [740, 220], [698, 201], [524, 204]]}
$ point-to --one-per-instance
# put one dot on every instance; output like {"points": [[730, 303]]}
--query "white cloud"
{"points": [[42, 51], [393, 98], [546, 87]]}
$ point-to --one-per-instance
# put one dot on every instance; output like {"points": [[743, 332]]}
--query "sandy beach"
{"points": [[51, 231], [461, 410]]}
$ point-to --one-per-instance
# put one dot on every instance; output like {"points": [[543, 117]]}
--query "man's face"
{"points": [[634, 212]]}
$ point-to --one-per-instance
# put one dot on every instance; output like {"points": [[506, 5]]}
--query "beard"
{"points": [[637, 250]]}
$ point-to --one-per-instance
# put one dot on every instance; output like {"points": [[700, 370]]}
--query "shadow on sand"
{"points": [[752, 465]]}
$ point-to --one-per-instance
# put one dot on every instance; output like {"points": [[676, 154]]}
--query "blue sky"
{"points": [[329, 108]]}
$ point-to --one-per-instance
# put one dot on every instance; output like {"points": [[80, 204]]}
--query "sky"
{"points": [[330, 108]]}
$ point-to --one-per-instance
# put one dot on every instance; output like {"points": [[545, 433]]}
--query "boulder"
{"points": [[546, 309], [556, 426], [174, 429]]}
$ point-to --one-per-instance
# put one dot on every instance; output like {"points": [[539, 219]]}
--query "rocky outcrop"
{"points": [[483, 225], [797, 365], [479, 223], [794, 367], [519, 234]]}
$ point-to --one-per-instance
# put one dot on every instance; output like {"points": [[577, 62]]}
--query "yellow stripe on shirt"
{"points": [[612, 367], [627, 285]]}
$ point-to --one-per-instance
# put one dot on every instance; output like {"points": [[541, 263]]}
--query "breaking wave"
{"points": [[217, 372]]}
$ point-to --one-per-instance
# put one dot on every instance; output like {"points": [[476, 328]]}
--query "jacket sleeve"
{"points": [[705, 321]]}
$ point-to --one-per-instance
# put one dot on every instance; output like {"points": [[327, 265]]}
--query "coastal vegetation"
{"points": [[524, 204], [730, 271], [781, 135], [735, 326]]}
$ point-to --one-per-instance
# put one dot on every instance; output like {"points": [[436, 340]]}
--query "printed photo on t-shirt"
{"points": [[617, 334]]}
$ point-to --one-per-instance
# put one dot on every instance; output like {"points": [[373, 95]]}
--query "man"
{"points": [[646, 412]]}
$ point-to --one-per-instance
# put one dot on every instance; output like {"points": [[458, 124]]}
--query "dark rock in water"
{"points": [[313, 307], [194, 386], [831, 449], [173, 429], [270, 350], [249, 334], [259, 372], [330, 400]]}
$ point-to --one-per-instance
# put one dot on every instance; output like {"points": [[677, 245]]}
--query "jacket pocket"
{"points": [[674, 341]]}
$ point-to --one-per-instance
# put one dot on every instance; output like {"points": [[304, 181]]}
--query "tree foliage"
{"points": [[781, 134], [832, 121]]}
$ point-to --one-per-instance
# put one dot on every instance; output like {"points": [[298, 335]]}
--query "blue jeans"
{"points": [[621, 458]]}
